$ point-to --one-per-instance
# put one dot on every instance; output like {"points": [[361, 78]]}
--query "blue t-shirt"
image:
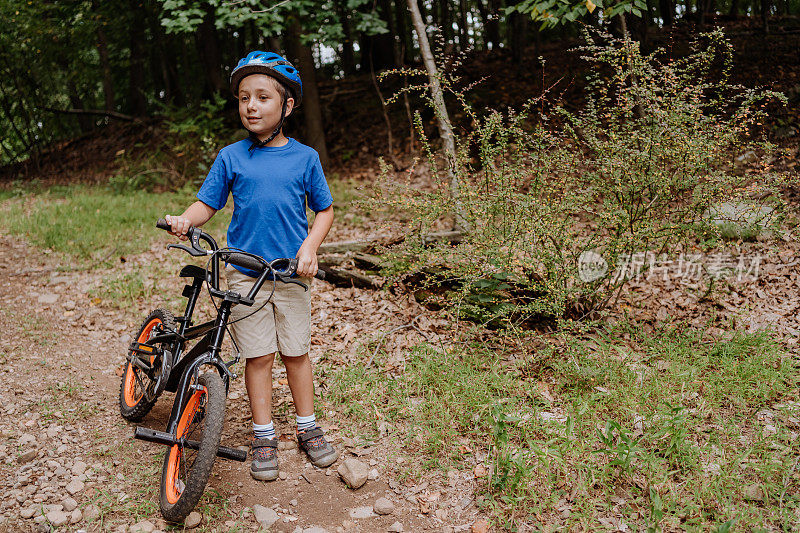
{"points": [[269, 186]]}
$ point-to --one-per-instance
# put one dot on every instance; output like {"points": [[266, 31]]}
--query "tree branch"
{"points": [[102, 112]]}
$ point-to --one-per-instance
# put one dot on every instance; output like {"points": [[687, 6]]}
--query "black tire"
{"points": [[133, 406], [185, 471]]}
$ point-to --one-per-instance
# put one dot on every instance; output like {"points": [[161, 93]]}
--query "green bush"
{"points": [[554, 202]]}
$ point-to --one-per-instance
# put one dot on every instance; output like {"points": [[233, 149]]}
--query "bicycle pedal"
{"points": [[144, 349]]}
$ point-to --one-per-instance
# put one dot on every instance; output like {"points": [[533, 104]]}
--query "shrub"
{"points": [[555, 202]]}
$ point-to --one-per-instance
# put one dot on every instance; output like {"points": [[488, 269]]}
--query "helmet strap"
{"points": [[256, 143]]}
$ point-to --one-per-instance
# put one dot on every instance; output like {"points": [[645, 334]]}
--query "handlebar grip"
{"points": [[162, 224], [244, 261], [320, 274]]}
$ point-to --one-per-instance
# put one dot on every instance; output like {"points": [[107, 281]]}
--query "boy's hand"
{"points": [[307, 261], [180, 225]]}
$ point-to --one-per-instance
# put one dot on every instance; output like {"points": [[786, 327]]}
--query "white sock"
{"points": [[306, 422], [264, 431]]}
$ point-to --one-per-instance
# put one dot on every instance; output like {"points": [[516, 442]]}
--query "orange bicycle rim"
{"points": [[173, 465], [130, 379]]}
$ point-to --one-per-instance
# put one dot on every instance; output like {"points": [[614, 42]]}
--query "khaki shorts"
{"points": [[283, 325]]}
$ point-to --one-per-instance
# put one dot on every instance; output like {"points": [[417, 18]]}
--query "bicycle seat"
{"points": [[194, 271]]}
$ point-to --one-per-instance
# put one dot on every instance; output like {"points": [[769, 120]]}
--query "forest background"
{"points": [[506, 373]]}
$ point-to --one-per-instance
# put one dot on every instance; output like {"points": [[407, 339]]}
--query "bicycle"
{"points": [[157, 362]]}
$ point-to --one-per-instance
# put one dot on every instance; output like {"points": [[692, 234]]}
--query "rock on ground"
{"points": [[92, 512], [145, 526], [75, 486], [354, 473], [193, 520], [57, 518], [69, 504], [481, 525], [397, 527], [383, 506], [265, 516], [361, 512]]}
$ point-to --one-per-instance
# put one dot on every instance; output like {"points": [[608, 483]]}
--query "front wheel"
{"points": [[136, 385], [188, 464]]}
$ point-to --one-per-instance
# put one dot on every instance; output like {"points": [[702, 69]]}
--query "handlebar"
{"points": [[283, 268]]}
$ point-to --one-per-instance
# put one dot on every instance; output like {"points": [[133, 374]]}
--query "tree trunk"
{"points": [[445, 127], [517, 34], [85, 123], [463, 29], [404, 32], [667, 9], [108, 81], [347, 55], [397, 50], [764, 14], [210, 56], [302, 57], [137, 102], [446, 22]]}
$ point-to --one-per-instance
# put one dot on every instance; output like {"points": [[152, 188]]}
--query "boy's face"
{"points": [[260, 101]]}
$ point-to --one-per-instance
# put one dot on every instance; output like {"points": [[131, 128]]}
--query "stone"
{"points": [[78, 468], [69, 504], [354, 473], [91, 512], [361, 512], [397, 527], [57, 518], [287, 445], [193, 520], [481, 525], [753, 493], [373, 474], [283, 475], [746, 158], [447, 529], [441, 514], [293, 503], [315, 529], [383, 506], [76, 516], [265, 516], [738, 219], [145, 526], [347, 525], [27, 456], [47, 298], [28, 513], [75, 486]]}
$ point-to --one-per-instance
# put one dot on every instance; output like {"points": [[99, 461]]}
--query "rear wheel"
{"points": [[133, 403], [187, 466]]}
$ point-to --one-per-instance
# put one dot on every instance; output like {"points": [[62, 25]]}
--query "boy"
{"points": [[270, 177]]}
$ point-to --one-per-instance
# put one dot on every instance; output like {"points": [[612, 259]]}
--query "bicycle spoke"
{"points": [[138, 379]]}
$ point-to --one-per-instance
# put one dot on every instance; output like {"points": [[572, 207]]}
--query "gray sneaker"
{"points": [[264, 466], [319, 451]]}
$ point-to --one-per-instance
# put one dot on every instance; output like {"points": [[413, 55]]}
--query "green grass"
{"points": [[658, 430], [90, 226]]}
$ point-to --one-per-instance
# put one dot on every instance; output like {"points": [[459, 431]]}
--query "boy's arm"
{"points": [[195, 215], [307, 254]]}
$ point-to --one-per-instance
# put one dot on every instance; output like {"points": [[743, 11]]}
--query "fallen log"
{"points": [[342, 247], [342, 277]]}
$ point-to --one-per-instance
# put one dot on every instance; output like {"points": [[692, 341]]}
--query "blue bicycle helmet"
{"points": [[271, 64]]}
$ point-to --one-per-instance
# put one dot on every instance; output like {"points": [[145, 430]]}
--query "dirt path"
{"points": [[69, 459]]}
